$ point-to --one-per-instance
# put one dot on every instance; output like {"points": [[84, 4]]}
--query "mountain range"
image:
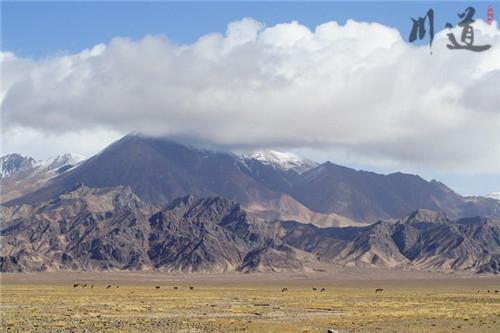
{"points": [[113, 229], [160, 170], [155, 203]]}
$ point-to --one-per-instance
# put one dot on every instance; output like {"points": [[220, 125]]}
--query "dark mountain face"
{"points": [[211, 234], [112, 228], [367, 196]]}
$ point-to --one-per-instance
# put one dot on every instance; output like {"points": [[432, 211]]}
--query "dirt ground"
{"points": [[159, 302]]}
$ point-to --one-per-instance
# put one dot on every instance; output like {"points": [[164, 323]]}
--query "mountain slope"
{"points": [[22, 175], [367, 196]]}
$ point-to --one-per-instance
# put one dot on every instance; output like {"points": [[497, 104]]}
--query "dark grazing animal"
{"points": [[496, 291], [75, 285], [92, 286], [157, 287], [314, 289], [322, 289], [176, 288], [284, 289], [379, 290], [109, 286], [191, 287], [84, 285]]}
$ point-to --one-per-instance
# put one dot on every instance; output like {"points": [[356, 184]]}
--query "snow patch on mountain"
{"points": [[58, 162], [13, 164], [494, 195], [284, 161]]}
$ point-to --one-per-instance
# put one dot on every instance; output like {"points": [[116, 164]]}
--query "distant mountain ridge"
{"points": [[21, 175], [13, 163], [113, 229], [270, 185], [367, 196]]}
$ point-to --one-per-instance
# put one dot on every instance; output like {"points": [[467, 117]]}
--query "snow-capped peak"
{"points": [[60, 161], [13, 163], [284, 161], [494, 195]]}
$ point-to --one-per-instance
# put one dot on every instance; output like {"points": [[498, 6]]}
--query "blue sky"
{"points": [[43, 29], [38, 29]]}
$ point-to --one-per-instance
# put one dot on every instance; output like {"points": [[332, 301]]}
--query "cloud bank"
{"points": [[357, 89]]}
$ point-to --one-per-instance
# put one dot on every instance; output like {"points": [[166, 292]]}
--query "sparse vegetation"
{"points": [[422, 306]]}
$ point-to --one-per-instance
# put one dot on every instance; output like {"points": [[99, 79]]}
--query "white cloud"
{"points": [[358, 90]]}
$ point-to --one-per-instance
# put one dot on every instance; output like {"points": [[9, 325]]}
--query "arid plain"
{"points": [[157, 302]]}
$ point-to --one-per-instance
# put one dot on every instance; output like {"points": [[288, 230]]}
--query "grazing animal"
{"points": [[75, 285], [191, 287], [314, 289], [109, 286], [488, 290], [379, 290], [92, 286], [322, 289], [496, 291], [157, 287], [176, 288], [284, 289], [84, 285], [117, 286]]}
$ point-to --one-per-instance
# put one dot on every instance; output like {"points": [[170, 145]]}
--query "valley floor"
{"points": [[409, 302]]}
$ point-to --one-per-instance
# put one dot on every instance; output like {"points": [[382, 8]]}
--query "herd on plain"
{"points": [[84, 285]]}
